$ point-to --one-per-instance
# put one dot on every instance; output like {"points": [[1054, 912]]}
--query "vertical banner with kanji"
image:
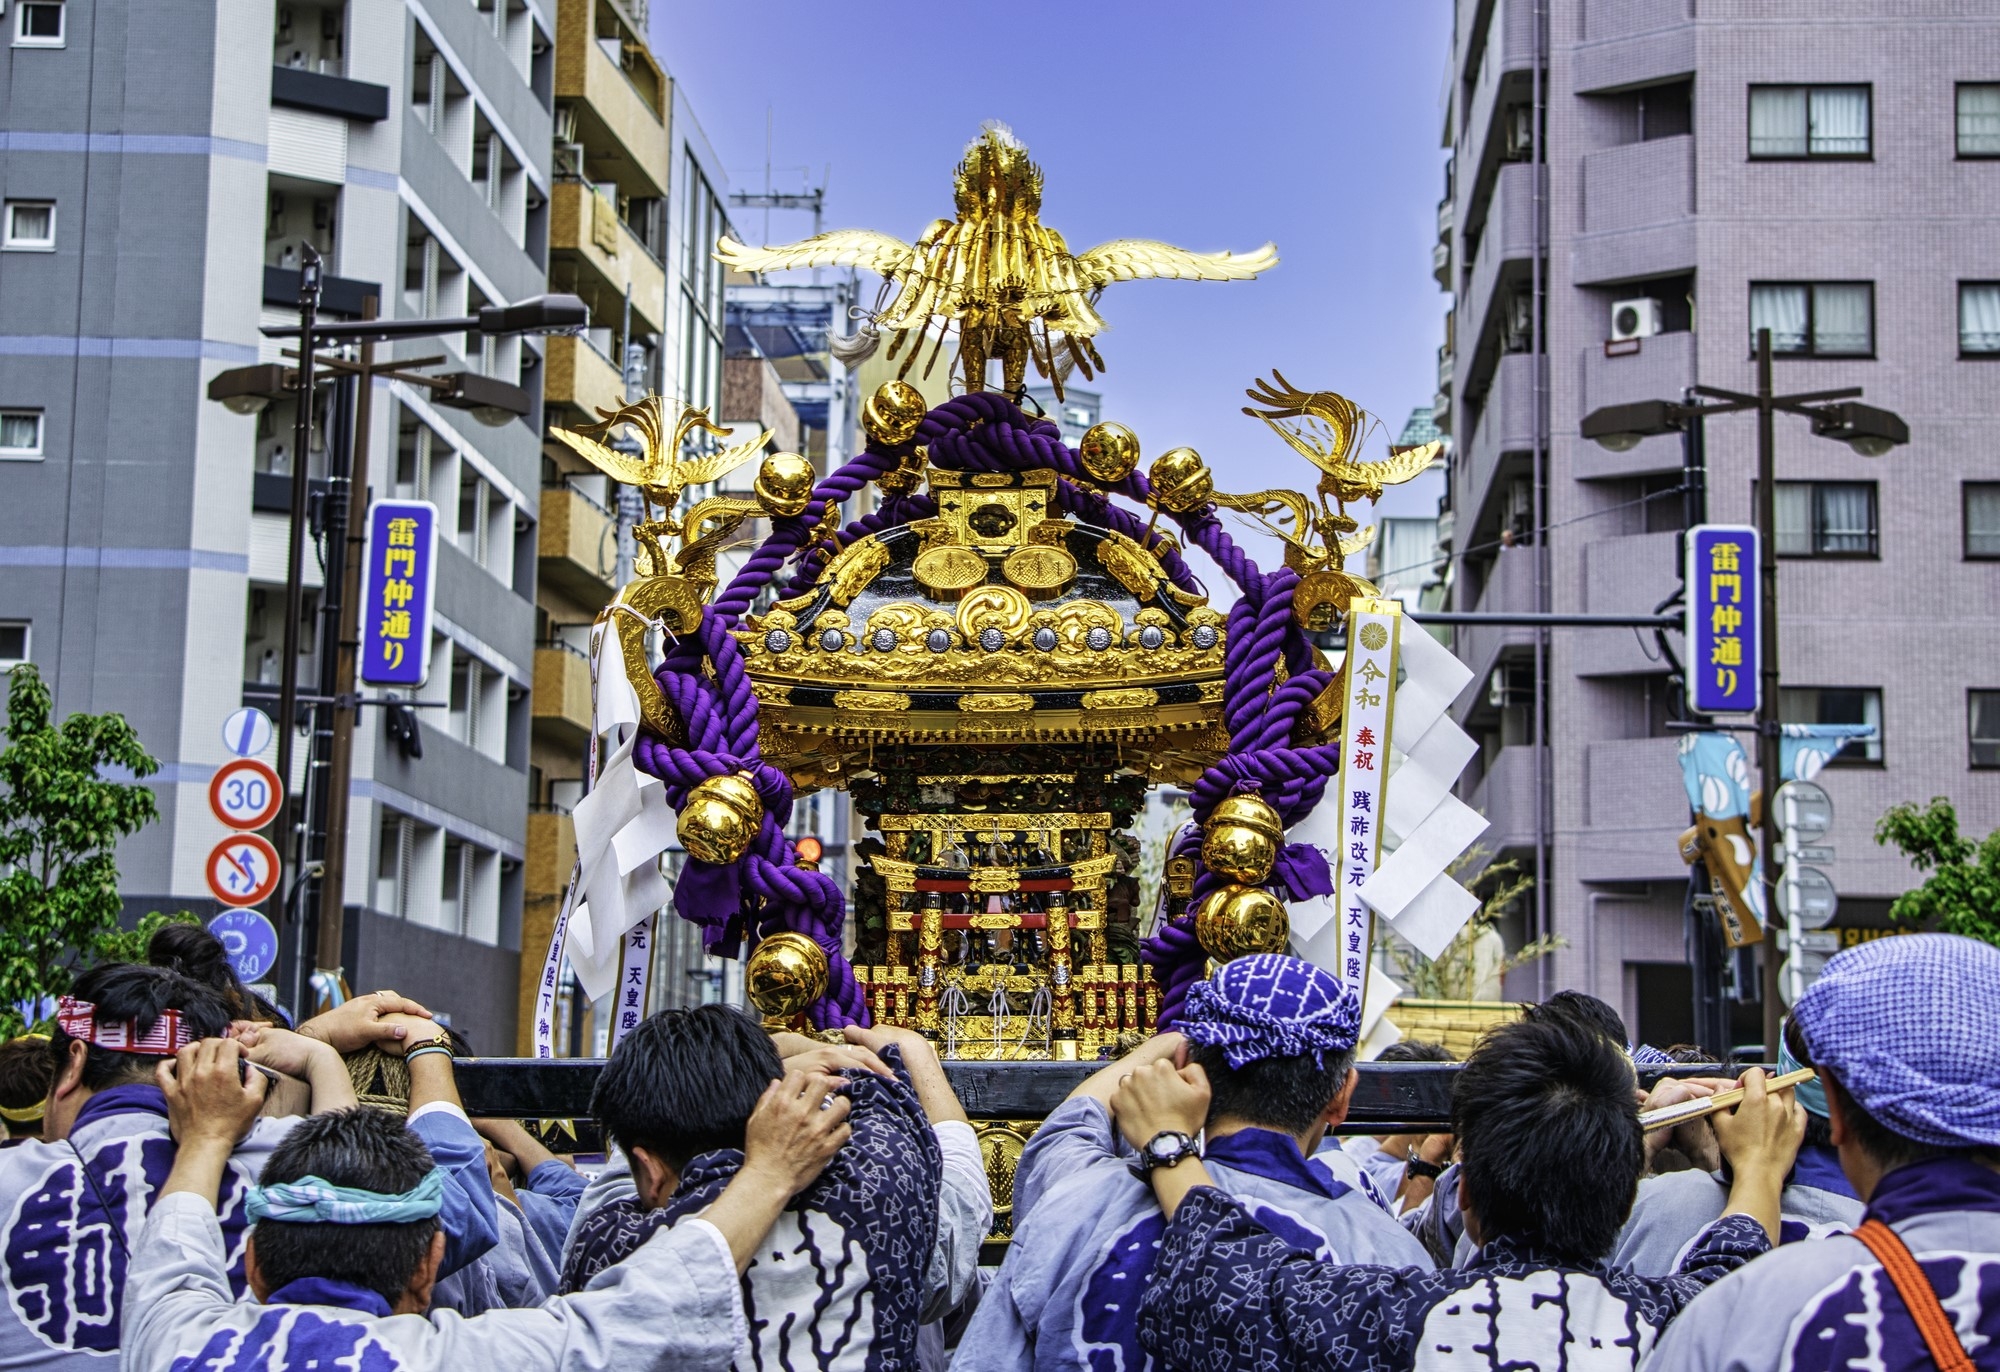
{"points": [[635, 968], [1722, 619], [396, 601], [1373, 631]]}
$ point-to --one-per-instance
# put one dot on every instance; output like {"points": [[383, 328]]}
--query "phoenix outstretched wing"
{"points": [[719, 464], [1137, 259], [622, 467], [876, 252]]}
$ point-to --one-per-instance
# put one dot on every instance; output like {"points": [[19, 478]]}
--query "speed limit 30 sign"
{"points": [[244, 794]]}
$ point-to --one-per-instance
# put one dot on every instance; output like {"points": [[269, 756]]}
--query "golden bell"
{"points": [[1108, 453], [892, 414], [1237, 921], [786, 973], [1180, 480], [1319, 599], [1241, 839], [784, 484], [721, 817]]}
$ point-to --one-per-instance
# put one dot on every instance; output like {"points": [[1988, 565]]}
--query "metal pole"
{"points": [[352, 502], [1544, 769], [1767, 702], [288, 679]]}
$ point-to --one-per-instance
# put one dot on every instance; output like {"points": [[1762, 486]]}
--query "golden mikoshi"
{"points": [[1242, 838], [786, 973], [720, 819], [1109, 453], [892, 414], [1236, 921]]}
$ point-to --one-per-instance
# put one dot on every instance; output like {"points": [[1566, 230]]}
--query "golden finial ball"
{"points": [[721, 817], [786, 973], [1180, 480], [1237, 921], [784, 484], [1108, 453], [1241, 839], [892, 414]]}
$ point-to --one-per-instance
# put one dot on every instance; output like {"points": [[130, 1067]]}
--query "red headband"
{"points": [[78, 1019]]}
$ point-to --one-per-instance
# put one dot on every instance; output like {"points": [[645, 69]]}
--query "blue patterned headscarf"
{"points": [[1268, 1005], [1906, 1025]]}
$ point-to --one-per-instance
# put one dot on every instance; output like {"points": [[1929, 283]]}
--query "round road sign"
{"points": [[244, 794], [247, 732], [243, 870], [1805, 810], [250, 940], [1809, 964], [1807, 895]]}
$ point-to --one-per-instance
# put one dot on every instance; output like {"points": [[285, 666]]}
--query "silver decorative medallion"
{"points": [[1204, 636], [1098, 639], [777, 641], [832, 640], [938, 640], [1152, 636], [992, 640], [883, 640]]}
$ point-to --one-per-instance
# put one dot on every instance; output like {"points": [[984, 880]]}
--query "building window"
{"points": [[20, 434], [1979, 319], [38, 24], [1983, 727], [1826, 519], [1814, 318], [1979, 119], [31, 225], [1982, 519], [1838, 705], [13, 643], [701, 289], [1810, 121]]}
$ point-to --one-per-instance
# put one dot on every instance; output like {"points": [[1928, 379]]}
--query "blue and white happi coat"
{"points": [[887, 1237], [1229, 1293], [72, 1211], [1087, 1234], [1827, 1303], [673, 1305], [1673, 1209]]}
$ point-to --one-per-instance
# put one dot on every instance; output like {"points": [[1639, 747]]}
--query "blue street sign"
{"points": [[247, 732], [1722, 619], [250, 940], [396, 606]]}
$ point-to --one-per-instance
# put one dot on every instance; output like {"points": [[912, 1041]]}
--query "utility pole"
{"points": [[288, 678], [1767, 668]]}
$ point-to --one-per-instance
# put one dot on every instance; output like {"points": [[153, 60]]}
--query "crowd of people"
{"points": [[191, 1185]]}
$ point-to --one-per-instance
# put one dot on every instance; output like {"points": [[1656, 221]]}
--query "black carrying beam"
{"points": [[1391, 1097]]}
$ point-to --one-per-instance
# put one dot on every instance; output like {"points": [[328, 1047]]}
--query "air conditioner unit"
{"points": [[1634, 319]]}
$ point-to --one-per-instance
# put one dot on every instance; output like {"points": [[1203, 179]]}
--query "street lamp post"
{"points": [[492, 402], [1833, 414]]}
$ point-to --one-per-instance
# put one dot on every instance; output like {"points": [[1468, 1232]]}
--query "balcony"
{"points": [[311, 90], [1638, 212], [613, 107], [1633, 42], [1446, 219], [584, 223], [1510, 587], [1634, 810], [1623, 576], [1505, 247], [1661, 369], [1506, 64], [562, 692], [1506, 427], [1506, 796], [579, 376], [577, 544], [1441, 264]]}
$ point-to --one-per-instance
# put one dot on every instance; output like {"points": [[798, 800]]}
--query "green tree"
{"points": [[1962, 893], [60, 821]]}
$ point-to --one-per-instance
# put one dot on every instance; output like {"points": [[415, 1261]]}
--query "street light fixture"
{"points": [[247, 390], [492, 402], [537, 314], [1835, 414]]}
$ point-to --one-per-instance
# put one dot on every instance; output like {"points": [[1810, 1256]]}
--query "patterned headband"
{"points": [[315, 1200], [78, 1019]]}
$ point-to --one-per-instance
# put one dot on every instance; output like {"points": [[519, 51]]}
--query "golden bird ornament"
{"points": [[1004, 279]]}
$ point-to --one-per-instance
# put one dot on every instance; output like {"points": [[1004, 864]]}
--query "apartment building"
{"points": [[1633, 187], [162, 170]]}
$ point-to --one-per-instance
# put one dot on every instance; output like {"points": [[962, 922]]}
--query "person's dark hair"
{"points": [[1580, 1007], [194, 952], [26, 1074], [1689, 1053], [138, 993], [357, 1147], [684, 1082], [1287, 1094], [1416, 1050], [1549, 1135]]}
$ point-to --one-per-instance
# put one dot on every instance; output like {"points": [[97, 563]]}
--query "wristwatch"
{"points": [[1415, 1166], [1166, 1149]]}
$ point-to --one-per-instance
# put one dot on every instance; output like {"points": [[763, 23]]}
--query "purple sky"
{"points": [[1314, 125]]}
